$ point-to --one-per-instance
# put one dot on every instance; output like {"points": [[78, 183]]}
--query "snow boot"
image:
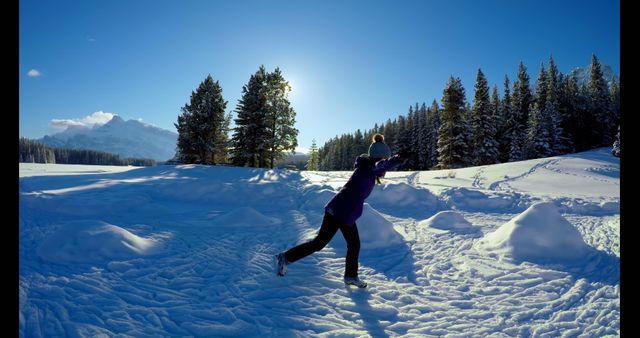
{"points": [[281, 263], [355, 281]]}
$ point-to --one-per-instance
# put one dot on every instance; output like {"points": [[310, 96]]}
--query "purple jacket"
{"points": [[348, 203]]}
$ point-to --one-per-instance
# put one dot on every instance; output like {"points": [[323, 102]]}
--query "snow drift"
{"points": [[97, 241]]}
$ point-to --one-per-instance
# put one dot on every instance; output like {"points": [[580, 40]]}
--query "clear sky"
{"points": [[351, 63]]}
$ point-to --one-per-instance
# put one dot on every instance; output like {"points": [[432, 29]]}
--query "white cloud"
{"points": [[97, 118], [62, 124], [91, 39], [34, 73]]}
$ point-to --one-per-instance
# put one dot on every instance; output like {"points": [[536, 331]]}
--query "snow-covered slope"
{"points": [[126, 138], [519, 249]]}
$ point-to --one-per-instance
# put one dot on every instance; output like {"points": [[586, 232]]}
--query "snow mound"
{"points": [[473, 200], [539, 234], [402, 195], [243, 217], [317, 199], [376, 231], [447, 220], [97, 241]]}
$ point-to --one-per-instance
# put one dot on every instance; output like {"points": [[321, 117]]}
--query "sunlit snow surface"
{"points": [[529, 248]]}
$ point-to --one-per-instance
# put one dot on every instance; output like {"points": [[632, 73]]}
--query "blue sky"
{"points": [[351, 63]]}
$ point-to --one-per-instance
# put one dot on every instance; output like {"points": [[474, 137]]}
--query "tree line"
{"points": [[264, 127], [559, 116], [30, 151]]}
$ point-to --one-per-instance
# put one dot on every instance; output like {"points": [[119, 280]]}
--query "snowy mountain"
{"points": [[582, 74], [126, 138], [521, 249]]}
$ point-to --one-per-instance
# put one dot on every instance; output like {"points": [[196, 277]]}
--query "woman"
{"points": [[345, 208]]}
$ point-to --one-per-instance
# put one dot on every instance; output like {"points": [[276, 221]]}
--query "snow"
{"points": [[538, 234], [95, 241], [243, 217], [41, 169], [448, 220], [377, 232], [529, 248]]}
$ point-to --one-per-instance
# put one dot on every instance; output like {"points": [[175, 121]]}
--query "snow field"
{"points": [[189, 251]]}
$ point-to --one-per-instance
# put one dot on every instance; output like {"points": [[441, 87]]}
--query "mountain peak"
{"points": [[126, 138], [116, 119]]}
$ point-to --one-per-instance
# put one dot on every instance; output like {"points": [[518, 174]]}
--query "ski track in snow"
{"points": [[504, 184], [220, 281]]}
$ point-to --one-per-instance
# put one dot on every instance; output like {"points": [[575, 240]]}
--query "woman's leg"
{"points": [[328, 229], [350, 233]]}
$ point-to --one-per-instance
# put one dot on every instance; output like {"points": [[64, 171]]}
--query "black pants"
{"points": [[330, 226]]}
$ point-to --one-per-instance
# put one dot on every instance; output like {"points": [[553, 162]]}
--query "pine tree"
{"points": [[521, 101], [576, 116], [582, 120], [402, 142], [280, 118], [390, 132], [345, 153], [422, 137], [414, 140], [537, 136], [505, 124], [360, 144], [250, 131], [452, 146], [433, 123], [599, 105], [408, 137], [560, 143], [326, 155], [202, 125], [468, 135], [565, 114], [496, 116], [615, 101], [483, 143], [312, 163]]}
